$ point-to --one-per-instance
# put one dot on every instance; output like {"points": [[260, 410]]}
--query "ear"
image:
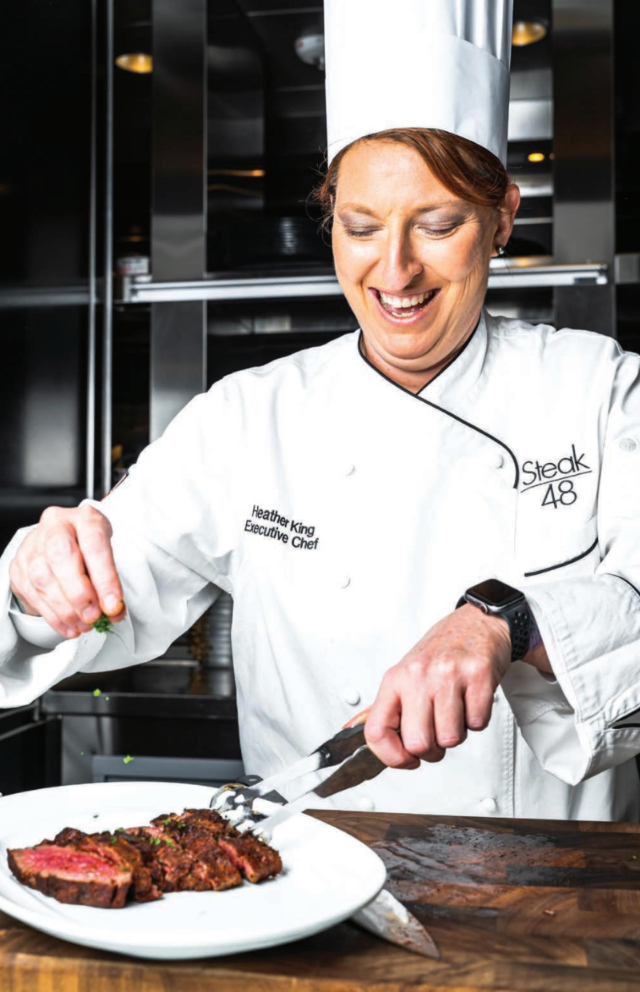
{"points": [[506, 215]]}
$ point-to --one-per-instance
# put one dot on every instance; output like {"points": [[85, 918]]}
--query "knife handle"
{"points": [[341, 746]]}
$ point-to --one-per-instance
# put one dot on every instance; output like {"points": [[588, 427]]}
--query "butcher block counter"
{"points": [[512, 904]]}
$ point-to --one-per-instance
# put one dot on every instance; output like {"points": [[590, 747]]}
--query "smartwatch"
{"points": [[500, 600]]}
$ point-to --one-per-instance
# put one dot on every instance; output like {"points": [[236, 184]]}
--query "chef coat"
{"points": [[346, 515]]}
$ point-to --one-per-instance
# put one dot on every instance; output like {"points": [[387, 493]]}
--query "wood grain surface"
{"points": [[513, 905]]}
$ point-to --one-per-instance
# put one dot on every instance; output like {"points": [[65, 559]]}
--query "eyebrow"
{"points": [[359, 208]]}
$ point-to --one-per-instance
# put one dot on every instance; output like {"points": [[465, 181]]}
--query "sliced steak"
{"points": [[207, 819], [166, 856], [71, 876], [196, 850], [213, 871], [146, 881], [255, 859]]}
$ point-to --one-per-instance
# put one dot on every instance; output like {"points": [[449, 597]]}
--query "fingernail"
{"points": [[111, 604], [91, 614]]}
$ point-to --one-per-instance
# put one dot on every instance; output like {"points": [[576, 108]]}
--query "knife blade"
{"points": [[388, 918]]}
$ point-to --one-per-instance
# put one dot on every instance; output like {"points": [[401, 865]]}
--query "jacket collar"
{"points": [[459, 378]]}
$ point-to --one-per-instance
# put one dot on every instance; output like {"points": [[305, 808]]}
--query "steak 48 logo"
{"points": [[556, 479]]}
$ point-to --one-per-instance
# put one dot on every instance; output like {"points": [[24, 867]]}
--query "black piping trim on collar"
{"points": [[614, 575], [561, 564], [417, 396], [451, 360]]}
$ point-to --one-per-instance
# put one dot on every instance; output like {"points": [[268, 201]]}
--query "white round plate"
{"points": [[327, 877]]}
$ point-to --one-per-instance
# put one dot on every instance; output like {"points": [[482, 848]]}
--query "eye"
{"points": [[360, 232], [435, 232]]}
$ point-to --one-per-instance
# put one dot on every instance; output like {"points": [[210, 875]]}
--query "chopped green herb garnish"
{"points": [[171, 843], [97, 692], [634, 857], [106, 699], [165, 823], [114, 839], [103, 624], [181, 826], [128, 759]]}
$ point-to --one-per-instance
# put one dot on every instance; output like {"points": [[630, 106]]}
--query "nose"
{"points": [[400, 264]]}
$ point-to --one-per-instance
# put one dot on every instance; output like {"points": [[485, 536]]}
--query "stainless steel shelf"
{"points": [[512, 274], [18, 297]]}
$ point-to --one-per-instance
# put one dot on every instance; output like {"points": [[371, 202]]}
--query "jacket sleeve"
{"points": [[174, 535], [589, 719]]}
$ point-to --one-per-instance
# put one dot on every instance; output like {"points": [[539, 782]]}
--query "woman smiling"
{"points": [[416, 215]]}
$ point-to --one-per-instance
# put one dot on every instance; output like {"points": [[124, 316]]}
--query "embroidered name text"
{"points": [[302, 535]]}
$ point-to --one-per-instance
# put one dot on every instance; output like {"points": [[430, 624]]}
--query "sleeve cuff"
{"points": [[34, 630]]}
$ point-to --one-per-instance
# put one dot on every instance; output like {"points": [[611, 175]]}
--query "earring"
{"points": [[501, 250]]}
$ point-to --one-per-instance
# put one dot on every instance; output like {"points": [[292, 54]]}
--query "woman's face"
{"points": [[411, 258]]}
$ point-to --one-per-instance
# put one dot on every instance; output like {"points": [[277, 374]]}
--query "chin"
{"points": [[408, 347]]}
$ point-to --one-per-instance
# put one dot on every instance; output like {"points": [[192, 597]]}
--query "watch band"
{"points": [[519, 620], [518, 616]]}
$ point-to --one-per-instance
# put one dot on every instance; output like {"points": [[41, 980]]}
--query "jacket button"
{"points": [[348, 468], [489, 805], [627, 444], [344, 580], [351, 695], [497, 460], [366, 804]]}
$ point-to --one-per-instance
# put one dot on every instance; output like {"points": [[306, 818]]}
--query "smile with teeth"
{"points": [[405, 306]]}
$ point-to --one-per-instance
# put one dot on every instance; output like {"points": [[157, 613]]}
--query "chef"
{"points": [[435, 516]]}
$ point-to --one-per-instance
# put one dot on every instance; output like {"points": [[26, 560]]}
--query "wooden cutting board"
{"points": [[513, 905]]}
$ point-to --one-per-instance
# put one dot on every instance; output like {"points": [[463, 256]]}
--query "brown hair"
{"points": [[466, 169]]}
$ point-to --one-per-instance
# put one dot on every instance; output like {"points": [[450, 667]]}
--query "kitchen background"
{"points": [[156, 162]]}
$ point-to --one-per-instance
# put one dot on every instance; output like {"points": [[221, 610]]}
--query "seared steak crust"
{"points": [[255, 859], [197, 850]]}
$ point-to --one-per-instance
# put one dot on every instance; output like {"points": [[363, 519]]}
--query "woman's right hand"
{"points": [[64, 571]]}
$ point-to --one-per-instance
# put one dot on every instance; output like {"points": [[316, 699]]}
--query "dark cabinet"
{"points": [[29, 750]]}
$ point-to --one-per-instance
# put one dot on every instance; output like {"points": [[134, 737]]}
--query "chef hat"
{"points": [[418, 63]]}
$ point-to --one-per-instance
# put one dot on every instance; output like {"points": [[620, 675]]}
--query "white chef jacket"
{"points": [[346, 516]]}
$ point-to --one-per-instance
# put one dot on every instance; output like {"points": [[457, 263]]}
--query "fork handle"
{"points": [[341, 746]]}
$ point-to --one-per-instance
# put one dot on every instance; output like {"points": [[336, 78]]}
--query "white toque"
{"points": [[418, 63]]}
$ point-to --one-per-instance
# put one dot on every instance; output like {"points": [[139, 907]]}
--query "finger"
{"points": [[381, 729], [478, 703], [67, 565], [46, 589], [94, 539], [360, 717], [449, 717], [44, 610], [417, 730]]}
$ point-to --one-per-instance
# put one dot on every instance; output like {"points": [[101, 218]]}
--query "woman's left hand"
{"points": [[441, 689]]}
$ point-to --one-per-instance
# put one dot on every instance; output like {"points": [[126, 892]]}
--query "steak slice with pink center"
{"points": [[83, 878], [255, 859]]}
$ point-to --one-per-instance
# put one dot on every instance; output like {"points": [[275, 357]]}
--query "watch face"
{"points": [[496, 594]]}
